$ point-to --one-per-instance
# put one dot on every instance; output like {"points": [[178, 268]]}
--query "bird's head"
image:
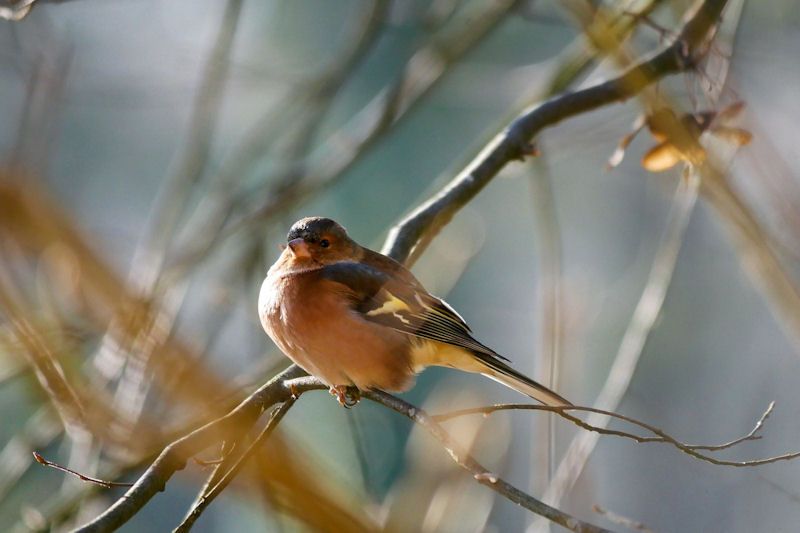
{"points": [[320, 241]]}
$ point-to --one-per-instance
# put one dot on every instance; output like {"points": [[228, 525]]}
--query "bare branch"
{"points": [[102, 482], [174, 456], [621, 520], [284, 388], [660, 435], [478, 471], [207, 497], [412, 235]]}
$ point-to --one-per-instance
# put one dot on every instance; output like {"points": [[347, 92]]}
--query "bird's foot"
{"points": [[293, 391], [348, 396]]}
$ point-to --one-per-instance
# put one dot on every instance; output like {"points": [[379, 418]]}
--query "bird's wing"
{"points": [[404, 305]]}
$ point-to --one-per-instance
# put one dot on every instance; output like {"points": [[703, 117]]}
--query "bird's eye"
{"points": [[324, 243]]}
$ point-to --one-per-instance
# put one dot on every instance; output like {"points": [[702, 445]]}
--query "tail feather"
{"points": [[521, 383], [486, 362]]}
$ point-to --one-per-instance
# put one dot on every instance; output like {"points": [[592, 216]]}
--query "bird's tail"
{"points": [[482, 361], [509, 377]]}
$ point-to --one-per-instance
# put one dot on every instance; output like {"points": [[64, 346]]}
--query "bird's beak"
{"points": [[299, 248]]}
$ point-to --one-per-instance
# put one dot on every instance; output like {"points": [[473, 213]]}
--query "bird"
{"points": [[359, 320]]}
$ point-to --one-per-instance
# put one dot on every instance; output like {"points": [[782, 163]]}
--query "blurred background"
{"points": [[154, 155]]}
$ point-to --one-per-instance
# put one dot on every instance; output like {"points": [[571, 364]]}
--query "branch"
{"points": [[89, 479], [174, 456], [661, 435], [207, 497], [286, 387], [478, 471], [412, 235]]}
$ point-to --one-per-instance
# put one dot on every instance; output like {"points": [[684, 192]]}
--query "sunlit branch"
{"points": [[660, 435], [412, 235]]}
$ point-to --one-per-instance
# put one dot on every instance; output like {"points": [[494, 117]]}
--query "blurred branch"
{"points": [[15, 11], [153, 333], [35, 223], [41, 356], [579, 55], [547, 312], [645, 314], [621, 520], [207, 496], [660, 435], [312, 105], [416, 231], [639, 327], [342, 149], [40, 430], [43, 106], [754, 247], [192, 159]]}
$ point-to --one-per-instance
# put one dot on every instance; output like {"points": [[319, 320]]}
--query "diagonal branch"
{"points": [[412, 235], [174, 456], [207, 497], [478, 471]]}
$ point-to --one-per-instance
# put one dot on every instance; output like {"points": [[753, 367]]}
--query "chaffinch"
{"points": [[356, 318]]}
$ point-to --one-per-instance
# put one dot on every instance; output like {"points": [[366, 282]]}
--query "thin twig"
{"points": [[621, 520], [661, 435], [103, 483]]}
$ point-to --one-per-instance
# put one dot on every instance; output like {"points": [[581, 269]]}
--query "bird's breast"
{"points": [[314, 324], [275, 311]]}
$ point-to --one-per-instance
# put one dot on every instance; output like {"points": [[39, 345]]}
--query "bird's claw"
{"points": [[347, 396], [293, 391]]}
